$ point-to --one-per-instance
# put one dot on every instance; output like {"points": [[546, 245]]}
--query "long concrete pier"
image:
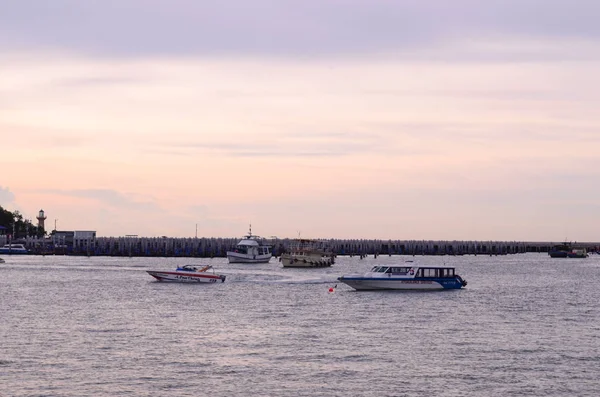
{"points": [[217, 247]]}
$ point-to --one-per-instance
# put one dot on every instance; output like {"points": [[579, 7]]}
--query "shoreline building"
{"points": [[68, 241]]}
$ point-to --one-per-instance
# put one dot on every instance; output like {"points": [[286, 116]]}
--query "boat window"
{"points": [[375, 268], [382, 269], [420, 273]]}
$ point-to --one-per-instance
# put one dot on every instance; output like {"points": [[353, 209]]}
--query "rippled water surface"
{"points": [[526, 325]]}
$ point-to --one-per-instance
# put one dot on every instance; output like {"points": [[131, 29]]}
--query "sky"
{"points": [[379, 119]]}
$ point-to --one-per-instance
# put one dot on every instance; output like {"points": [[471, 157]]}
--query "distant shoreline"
{"points": [[218, 247]]}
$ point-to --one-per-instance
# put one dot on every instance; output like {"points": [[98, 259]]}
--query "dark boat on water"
{"points": [[565, 250], [560, 251]]}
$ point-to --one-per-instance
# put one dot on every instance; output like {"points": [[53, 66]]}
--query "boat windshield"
{"points": [[379, 269], [400, 270]]}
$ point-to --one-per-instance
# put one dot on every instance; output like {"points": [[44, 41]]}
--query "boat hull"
{"points": [[295, 261], [375, 284], [234, 257], [186, 277], [13, 251], [570, 254]]}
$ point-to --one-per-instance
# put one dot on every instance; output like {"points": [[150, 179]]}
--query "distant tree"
{"points": [[6, 218], [17, 226], [40, 232]]}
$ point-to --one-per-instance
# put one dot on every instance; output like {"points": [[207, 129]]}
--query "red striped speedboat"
{"points": [[187, 274]]}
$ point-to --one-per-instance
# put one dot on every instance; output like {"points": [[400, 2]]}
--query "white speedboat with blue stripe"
{"points": [[405, 277]]}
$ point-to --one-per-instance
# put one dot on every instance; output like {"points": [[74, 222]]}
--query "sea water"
{"points": [[526, 325]]}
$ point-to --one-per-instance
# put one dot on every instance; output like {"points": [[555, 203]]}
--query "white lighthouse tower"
{"points": [[41, 218]]}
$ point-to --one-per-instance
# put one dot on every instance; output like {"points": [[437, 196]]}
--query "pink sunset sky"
{"points": [[462, 120]]}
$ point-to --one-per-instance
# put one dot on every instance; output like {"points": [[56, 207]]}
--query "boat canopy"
{"points": [[248, 242], [419, 271], [14, 246]]}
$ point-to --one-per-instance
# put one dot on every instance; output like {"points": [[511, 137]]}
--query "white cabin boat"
{"points": [[578, 253], [407, 276], [187, 274], [250, 249], [307, 253], [13, 249]]}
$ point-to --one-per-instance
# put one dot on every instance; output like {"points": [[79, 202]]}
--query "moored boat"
{"points": [[13, 249], [307, 253], [566, 250], [560, 251], [187, 274], [250, 249], [407, 276], [578, 253]]}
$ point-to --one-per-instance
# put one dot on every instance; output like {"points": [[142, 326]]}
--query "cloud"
{"points": [[293, 144], [6, 196], [297, 28], [48, 137], [101, 81], [109, 197]]}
